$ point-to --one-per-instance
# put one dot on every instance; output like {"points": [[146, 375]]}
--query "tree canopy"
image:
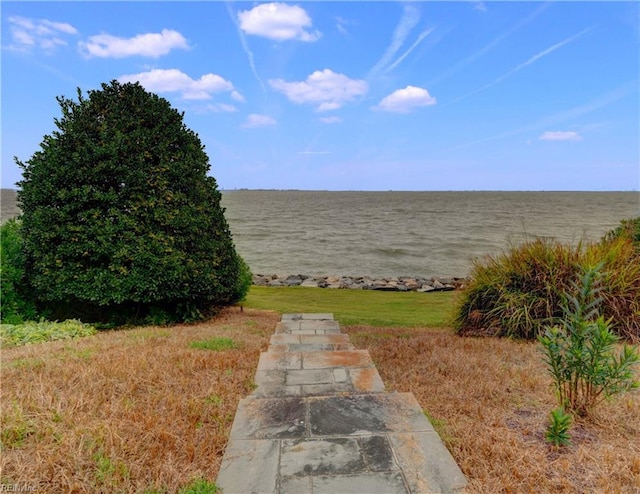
{"points": [[120, 215]]}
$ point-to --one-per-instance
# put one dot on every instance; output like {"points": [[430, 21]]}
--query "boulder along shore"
{"points": [[397, 284]]}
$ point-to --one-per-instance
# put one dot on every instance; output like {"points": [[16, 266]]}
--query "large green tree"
{"points": [[120, 216]]}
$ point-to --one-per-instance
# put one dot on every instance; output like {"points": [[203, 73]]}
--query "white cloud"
{"points": [[560, 136], [148, 45], [278, 21], [406, 100], [28, 34], [480, 6], [255, 120], [175, 81], [220, 108], [331, 120], [237, 96], [340, 25], [324, 87]]}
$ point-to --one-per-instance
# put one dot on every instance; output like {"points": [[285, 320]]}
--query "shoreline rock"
{"points": [[396, 284]]}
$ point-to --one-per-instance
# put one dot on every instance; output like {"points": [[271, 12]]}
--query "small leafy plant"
{"points": [[558, 429], [580, 351]]}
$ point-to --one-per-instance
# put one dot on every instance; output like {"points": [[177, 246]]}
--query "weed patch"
{"points": [[215, 344]]}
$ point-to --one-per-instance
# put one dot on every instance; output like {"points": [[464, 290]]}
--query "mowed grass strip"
{"points": [[370, 307], [130, 411]]}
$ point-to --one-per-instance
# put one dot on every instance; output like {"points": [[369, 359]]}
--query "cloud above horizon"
{"points": [[148, 45], [278, 21], [406, 100], [28, 33], [560, 136], [324, 88], [255, 120], [176, 81]]}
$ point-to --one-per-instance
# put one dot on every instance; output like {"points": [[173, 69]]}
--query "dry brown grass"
{"points": [[490, 398], [140, 411], [127, 411]]}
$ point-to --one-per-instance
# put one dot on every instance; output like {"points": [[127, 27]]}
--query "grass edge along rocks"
{"points": [[398, 284]]}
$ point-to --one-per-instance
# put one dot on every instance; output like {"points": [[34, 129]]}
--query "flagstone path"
{"points": [[320, 422]]}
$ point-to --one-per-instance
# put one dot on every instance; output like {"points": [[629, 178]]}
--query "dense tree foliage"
{"points": [[120, 217]]}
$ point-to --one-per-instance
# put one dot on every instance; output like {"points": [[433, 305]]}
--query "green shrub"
{"points": [[120, 219], [518, 293], [628, 229], [16, 304], [579, 352]]}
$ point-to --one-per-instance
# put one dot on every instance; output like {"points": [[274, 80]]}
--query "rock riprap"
{"points": [[397, 284]]}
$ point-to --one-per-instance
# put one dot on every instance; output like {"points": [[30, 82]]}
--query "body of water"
{"points": [[407, 233]]}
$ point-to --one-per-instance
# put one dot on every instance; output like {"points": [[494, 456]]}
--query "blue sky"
{"points": [[352, 95]]}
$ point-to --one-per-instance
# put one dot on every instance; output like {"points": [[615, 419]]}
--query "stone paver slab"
{"points": [[366, 414], [270, 418], [326, 389], [316, 325], [246, 456], [370, 483], [310, 315], [332, 456], [296, 485], [279, 361], [309, 376], [331, 339], [366, 380], [427, 464], [351, 358]]}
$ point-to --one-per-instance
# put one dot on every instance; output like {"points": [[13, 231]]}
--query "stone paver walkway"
{"points": [[320, 422]]}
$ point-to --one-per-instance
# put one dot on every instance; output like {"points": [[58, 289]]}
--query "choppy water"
{"points": [[407, 233]]}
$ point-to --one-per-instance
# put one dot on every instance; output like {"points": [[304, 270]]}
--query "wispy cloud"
{"points": [[256, 120], [278, 21], [410, 18], [560, 135], [560, 117], [176, 81], [28, 34], [422, 36], [148, 45], [331, 120], [487, 48], [324, 88], [524, 64], [481, 6], [245, 46], [406, 100]]}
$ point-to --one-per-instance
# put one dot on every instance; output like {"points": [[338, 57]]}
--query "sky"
{"points": [[349, 95]]}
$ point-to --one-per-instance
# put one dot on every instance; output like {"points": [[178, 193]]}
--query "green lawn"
{"points": [[350, 307]]}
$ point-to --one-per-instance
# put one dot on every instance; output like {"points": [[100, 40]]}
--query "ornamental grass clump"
{"points": [[580, 352], [520, 292]]}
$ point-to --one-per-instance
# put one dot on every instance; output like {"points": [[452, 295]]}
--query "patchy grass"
{"points": [[215, 344], [127, 411], [375, 308], [139, 411]]}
